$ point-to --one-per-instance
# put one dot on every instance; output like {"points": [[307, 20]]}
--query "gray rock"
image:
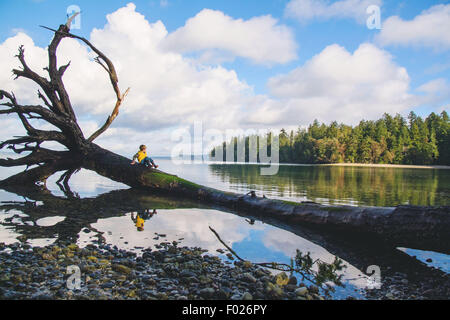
{"points": [[247, 296], [302, 291], [314, 289], [187, 274], [390, 296], [107, 285], [248, 277], [292, 280], [207, 292]]}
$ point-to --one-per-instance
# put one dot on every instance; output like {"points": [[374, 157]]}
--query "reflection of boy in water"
{"points": [[250, 221], [140, 218], [146, 215]]}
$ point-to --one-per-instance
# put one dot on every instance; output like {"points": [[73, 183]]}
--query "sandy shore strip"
{"points": [[400, 166], [368, 165]]}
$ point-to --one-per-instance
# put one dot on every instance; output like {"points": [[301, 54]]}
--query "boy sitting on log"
{"points": [[142, 158]]}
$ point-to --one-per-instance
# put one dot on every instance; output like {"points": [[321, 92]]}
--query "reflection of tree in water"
{"points": [[79, 213], [366, 186]]}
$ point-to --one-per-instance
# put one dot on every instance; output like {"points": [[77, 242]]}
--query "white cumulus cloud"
{"points": [[435, 92], [167, 89], [339, 85], [218, 36], [429, 29], [306, 10]]}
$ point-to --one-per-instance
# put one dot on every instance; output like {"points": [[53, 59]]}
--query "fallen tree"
{"points": [[418, 227]]}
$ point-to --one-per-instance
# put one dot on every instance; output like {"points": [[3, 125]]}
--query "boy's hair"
{"points": [[142, 147]]}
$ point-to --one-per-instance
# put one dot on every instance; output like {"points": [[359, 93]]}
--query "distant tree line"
{"points": [[389, 140]]}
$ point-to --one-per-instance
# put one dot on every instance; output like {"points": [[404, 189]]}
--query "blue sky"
{"points": [[312, 38], [424, 63]]}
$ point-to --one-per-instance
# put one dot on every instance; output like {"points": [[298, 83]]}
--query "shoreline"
{"points": [[380, 165], [345, 164]]}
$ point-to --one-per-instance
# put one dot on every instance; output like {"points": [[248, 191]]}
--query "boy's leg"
{"points": [[151, 161], [146, 162]]}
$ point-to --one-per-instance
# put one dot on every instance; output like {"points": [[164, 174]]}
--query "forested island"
{"points": [[389, 140]]}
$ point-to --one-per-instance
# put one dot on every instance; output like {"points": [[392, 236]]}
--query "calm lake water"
{"points": [[340, 185], [106, 213]]}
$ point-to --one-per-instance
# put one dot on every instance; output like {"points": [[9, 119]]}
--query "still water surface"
{"points": [[253, 240]]}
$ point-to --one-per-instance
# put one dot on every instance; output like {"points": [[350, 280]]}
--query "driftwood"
{"points": [[417, 227]]}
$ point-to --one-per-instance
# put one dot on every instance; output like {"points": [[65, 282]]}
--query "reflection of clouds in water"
{"points": [[42, 242], [85, 238], [86, 182], [190, 224], [8, 235], [49, 221], [10, 214], [439, 260], [9, 171], [6, 196], [287, 242]]}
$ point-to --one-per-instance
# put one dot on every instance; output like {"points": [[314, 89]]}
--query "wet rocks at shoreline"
{"points": [[106, 272], [432, 285]]}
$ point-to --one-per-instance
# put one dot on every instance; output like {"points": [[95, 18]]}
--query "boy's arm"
{"points": [[135, 157]]}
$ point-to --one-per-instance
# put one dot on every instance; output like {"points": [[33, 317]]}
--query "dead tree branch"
{"points": [[56, 109], [108, 66]]}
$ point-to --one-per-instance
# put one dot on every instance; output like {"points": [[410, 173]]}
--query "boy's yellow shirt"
{"points": [[141, 155], [139, 222]]}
